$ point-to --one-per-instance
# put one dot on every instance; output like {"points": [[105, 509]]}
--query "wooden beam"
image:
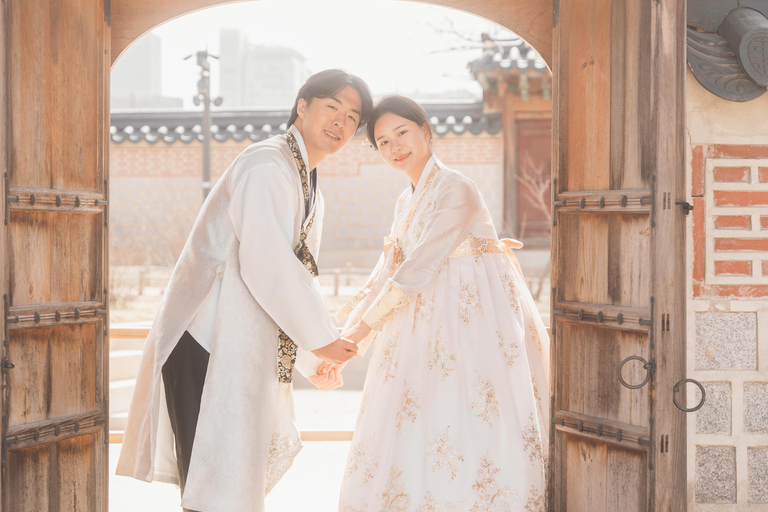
{"points": [[530, 19]]}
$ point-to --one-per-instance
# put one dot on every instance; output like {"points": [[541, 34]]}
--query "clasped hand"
{"points": [[336, 355]]}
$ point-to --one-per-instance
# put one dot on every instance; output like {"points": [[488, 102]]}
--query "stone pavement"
{"points": [[311, 485]]}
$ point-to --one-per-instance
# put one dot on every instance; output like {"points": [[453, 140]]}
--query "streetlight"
{"points": [[204, 96]]}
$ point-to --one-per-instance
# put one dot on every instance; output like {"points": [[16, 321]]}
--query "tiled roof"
{"points": [[508, 55], [258, 124]]}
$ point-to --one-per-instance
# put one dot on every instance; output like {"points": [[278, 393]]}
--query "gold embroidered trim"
{"points": [[473, 246], [391, 300], [286, 347]]}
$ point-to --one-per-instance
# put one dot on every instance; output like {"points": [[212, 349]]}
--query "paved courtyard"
{"points": [[311, 485]]}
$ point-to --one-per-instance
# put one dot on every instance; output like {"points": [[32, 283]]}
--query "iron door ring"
{"points": [[689, 409], [647, 375]]}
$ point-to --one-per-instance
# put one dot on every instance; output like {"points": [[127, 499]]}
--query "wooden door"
{"points": [[618, 256], [54, 124]]}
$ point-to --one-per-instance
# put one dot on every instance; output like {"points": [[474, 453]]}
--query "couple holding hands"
{"points": [[455, 406]]}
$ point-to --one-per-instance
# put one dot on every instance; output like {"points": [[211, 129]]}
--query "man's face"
{"points": [[327, 124]]}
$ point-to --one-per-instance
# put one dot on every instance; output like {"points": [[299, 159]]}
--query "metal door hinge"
{"points": [[108, 12], [687, 207]]}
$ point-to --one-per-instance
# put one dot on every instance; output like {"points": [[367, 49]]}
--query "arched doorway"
{"points": [[619, 96]]}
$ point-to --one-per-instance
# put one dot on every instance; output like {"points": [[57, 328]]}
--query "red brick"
{"points": [[733, 222], [765, 267], [741, 244], [739, 151], [764, 222], [697, 168], [741, 198], [699, 239], [762, 174], [731, 174], [733, 268]]}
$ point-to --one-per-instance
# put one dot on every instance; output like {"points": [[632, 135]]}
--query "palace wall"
{"points": [[155, 195], [727, 313]]}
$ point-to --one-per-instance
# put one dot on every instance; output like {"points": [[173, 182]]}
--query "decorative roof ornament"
{"points": [[731, 62]]}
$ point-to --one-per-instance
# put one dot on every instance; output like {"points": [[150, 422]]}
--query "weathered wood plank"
{"points": [[55, 93], [588, 373], [55, 373], [667, 121], [55, 258]]}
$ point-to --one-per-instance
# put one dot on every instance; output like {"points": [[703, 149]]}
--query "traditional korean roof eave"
{"points": [[254, 125], [511, 66]]}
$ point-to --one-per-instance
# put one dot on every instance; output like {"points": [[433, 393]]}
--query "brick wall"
{"points": [[727, 342], [155, 195]]}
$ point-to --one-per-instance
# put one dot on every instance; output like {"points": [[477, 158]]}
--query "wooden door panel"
{"points": [[617, 259], [589, 382], [55, 57], [610, 266], [56, 372], [585, 59], [602, 476], [60, 476], [55, 257], [55, 128]]}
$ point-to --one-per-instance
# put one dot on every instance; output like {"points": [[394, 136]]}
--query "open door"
{"points": [[618, 312], [54, 126]]}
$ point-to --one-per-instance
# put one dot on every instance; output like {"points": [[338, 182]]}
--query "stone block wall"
{"points": [[155, 193], [727, 319]]}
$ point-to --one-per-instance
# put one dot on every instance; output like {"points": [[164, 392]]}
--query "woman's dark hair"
{"points": [[325, 84], [401, 106]]}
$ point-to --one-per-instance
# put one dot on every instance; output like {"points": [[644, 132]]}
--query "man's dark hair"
{"points": [[401, 106], [328, 83]]}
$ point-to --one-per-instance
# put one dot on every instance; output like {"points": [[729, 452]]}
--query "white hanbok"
{"points": [[455, 409]]}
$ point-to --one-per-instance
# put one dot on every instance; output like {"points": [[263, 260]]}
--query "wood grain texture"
{"points": [[588, 373], [619, 69], [667, 124], [55, 126], [55, 372], [55, 257], [54, 107], [57, 476], [606, 259], [530, 19], [601, 477]]}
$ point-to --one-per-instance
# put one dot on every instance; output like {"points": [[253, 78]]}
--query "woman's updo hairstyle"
{"points": [[400, 106]]}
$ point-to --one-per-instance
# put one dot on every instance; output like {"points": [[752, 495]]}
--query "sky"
{"points": [[396, 46]]}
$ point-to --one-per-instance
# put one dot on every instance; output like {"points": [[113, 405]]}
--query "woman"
{"points": [[455, 413]]}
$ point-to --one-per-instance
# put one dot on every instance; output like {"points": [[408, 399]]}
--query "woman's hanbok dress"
{"points": [[455, 409]]}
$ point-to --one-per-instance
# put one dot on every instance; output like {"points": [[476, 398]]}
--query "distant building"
{"points": [[136, 80], [258, 76]]}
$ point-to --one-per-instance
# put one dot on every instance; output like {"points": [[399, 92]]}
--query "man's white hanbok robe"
{"points": [[236, 281]]}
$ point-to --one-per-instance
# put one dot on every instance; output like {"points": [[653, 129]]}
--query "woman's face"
{"points": [[403, 144]]}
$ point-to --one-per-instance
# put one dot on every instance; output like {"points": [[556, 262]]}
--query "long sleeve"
{"points": [[262, 211], [456, 208]]}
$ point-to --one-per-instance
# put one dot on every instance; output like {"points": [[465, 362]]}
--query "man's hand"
{"points": [[328, 377], [357, 332], [338, 352]]}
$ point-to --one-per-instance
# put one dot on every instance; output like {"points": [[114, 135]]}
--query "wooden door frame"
{"points": [[530, 19]]}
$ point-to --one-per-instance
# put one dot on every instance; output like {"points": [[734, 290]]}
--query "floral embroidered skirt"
{"points": [[455, 405]]}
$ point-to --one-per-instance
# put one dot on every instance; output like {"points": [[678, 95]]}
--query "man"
{"points": [[212, 408]]}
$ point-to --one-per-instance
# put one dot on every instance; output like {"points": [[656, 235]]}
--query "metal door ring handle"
{"points": [[689, 409], [647, 374]]}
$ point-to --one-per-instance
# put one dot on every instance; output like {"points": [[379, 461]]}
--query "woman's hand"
{"points": [[357, 332], [328, 377]]}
